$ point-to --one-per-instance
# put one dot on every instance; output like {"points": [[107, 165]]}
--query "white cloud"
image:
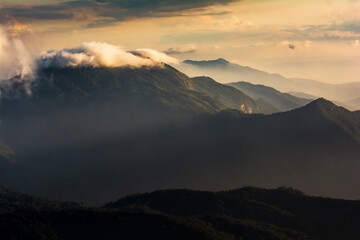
{"points": [[15, 59], [355, 43], [98, 54]]}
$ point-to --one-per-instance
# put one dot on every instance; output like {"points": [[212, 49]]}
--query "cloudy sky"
{"points": [[317, 39]]}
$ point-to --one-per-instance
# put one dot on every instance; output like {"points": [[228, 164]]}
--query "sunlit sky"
{"points": [[316, 39]]}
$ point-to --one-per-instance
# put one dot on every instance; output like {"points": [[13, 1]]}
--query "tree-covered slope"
{"points": [[12, 201], [244, 213], [159, 85], [321, 218]]}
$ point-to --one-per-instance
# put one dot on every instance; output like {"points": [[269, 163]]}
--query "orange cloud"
{"points": [[16, 29]]}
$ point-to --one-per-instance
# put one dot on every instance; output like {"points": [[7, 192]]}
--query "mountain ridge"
{"points": [[226, 72], [282, 101], [13, 201], [90, 128], [249, 212], [230, 97]]}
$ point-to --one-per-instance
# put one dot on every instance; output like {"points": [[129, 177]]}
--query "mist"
{"points": [[15, 58]]}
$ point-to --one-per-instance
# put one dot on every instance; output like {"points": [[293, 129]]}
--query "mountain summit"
{"points": [[216, 63]]}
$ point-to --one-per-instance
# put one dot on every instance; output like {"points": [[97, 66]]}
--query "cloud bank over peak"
{"points": [[17, 60], [99, 54]]}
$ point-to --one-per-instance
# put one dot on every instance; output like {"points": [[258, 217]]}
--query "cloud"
{"points": [[18, 64], [287, 44], [295, 44], [16, 29], [291, 46], [155, 56], [97, 54], [352, 25], [15, 59], [181, 50], [355, 43], [108, 11], [344, 30], [258, 44]]}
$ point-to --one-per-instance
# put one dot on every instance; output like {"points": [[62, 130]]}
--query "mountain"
{"points": [[159, 85], [105, 224], [225, 72], [343, 118], [286, 208], [13, 201], [94, 102], [127, 99], [315, 148], [282, 101], [243, 213], [231, 97], [187, 203], [95, 134]]}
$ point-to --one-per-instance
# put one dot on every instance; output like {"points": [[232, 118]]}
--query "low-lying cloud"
{"points": [[98, 54]]}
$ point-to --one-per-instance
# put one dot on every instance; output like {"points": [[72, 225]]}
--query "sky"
{"points": [[315, 39]]}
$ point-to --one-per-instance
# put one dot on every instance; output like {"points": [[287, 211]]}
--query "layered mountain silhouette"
{"points": [[244, 213], [225, 72], [90, 134], [232, 97], [282, 101]]}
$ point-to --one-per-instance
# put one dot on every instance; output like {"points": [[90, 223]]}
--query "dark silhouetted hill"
{"points": [[286, 208], [12, 201], [245, 213]]}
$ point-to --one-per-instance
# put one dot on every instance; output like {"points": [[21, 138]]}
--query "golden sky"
{"points": [[314, 39]]}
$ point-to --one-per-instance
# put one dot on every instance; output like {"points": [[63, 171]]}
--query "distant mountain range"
{"points": [[231, 97], [281, 101], [89, 134], [226, 72], [245, 213]]}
